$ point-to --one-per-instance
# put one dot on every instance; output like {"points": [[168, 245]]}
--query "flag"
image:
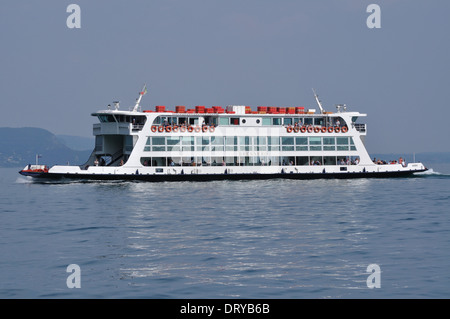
{"points": [[144, 91]]}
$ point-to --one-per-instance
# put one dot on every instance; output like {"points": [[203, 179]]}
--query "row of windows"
{"points": [[248, 143], [248, 160], [214, 120]]}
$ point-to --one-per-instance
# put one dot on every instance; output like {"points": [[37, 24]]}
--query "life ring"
{"points": [[330, 129], [205, 129], [303, 129], [310, 129], [182, 128], [175, 128], [168, 129], [190, 128], [161, 129], [324, 129], [296, 129], [154, 129], [289, 129], [316, 129], [344, 129], [197, 129], [212, 128], [337, 129]]}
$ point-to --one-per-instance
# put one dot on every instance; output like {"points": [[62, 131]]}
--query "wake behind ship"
{"points": [[236, 142]]}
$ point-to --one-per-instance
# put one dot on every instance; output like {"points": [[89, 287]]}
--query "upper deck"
{"points": [[126, 122]]}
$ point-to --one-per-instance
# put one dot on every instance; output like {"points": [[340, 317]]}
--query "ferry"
{"points": [[235, 142]]}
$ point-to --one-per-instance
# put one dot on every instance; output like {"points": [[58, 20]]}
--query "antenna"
{"points": [[141, 94], [318, 101]]}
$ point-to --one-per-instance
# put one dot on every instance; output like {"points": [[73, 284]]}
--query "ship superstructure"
{"points": [[233, 142]]}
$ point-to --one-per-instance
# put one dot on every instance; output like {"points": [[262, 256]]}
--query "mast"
{"points": [[318, 101], [141, 94]]}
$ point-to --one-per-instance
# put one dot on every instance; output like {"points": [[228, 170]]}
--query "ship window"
{"points": [[187, 140], [287, 140], [329, 141], [318, 121], [205, 143], [198, 143], [262, 143], [224, 121], [329, 148], [205, 140], [266, 121], [274, 147], [315, 148], [243, 140], [288, 121], [159, 161], [194, 121], [301, 148], [106, 118], [342, 148], [234, 121], [231, 143], [301, 140], [217, 140], [342, 140], [231, 140], [262, 140], [308, 121], [315, 141], [146, 161], [273, 140], [182, 120], [329, 160], [174, 148], [158, 140], [302, 160], [276, 121], [173, 140]]}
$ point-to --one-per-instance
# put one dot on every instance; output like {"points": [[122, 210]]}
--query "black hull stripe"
{"points": [[215, 177]]}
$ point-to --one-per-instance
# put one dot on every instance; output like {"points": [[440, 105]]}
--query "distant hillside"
{"points": [[77, 143], [19, 146]]}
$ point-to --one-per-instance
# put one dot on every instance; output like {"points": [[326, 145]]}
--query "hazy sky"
{"points": [[246, 52]]}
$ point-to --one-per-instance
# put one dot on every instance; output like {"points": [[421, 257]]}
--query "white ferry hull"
{"points": [[229, 173]]}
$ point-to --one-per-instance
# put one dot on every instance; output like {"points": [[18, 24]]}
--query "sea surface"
{"points": [[226, 239]]}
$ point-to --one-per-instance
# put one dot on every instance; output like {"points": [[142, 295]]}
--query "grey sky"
{"points": [[254, 52]]}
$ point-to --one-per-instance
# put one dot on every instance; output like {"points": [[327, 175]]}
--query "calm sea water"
{"points": [[249, 239]]}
